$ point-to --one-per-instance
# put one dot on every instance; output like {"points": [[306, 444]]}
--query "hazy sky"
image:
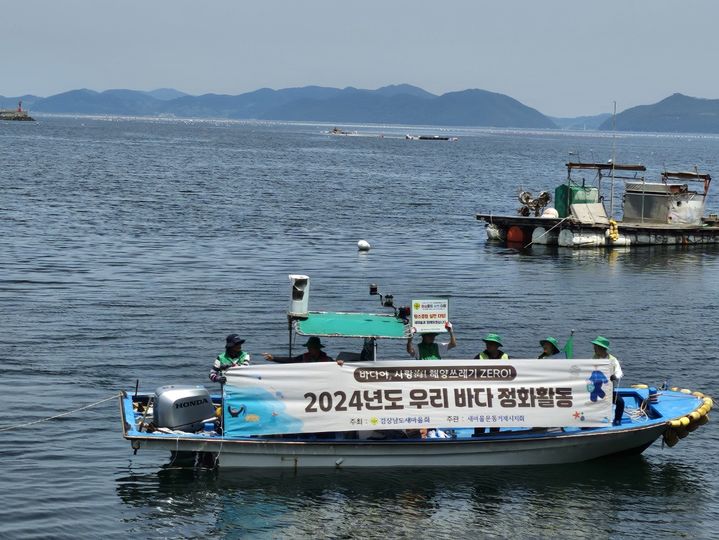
{"points": [[562, 57]]}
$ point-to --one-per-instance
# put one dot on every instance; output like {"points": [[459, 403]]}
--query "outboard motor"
{"points": [[182, 407]]}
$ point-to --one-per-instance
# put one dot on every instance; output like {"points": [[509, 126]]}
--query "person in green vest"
{"points": [[601, 350], [550, 348], [233, 356], [492, 349], [427, 348]]}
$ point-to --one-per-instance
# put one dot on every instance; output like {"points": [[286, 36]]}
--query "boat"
{"points": [[430, 138], [308, 415], [338, 131], [669, 211], [16, 114]]}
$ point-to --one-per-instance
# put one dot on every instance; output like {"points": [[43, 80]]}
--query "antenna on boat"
{"points": [[614, 158]]}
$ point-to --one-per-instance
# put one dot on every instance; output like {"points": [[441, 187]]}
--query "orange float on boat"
{"points": [[515, 234]]}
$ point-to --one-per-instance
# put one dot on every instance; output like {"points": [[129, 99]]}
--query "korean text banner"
{"points": [[323, 396]]}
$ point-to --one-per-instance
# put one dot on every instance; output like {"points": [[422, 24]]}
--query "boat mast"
{"points": [[614, 158]]}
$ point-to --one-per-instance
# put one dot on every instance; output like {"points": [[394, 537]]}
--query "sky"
{"points": [[562, 57]]}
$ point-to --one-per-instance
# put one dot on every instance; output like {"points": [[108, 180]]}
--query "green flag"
{"points": [[569, 346]]}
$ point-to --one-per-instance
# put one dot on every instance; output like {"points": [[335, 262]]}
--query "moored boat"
{"points": [[667, 212]]}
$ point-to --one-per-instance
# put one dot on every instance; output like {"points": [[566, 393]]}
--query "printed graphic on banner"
{"points": [[430, 315], [323, 396]]}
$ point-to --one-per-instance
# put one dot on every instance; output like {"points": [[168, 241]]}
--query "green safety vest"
{"points": [[484, 356], [226, 361], [428, 351]]}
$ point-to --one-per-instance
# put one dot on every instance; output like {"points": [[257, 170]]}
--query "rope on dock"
{"points": [[547, 232], [8, 428]]}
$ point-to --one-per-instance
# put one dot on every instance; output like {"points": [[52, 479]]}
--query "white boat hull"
{"points": [[482, 452]]}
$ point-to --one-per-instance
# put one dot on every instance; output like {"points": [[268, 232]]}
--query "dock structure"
{"points": [[668, 212], [16, 114]]}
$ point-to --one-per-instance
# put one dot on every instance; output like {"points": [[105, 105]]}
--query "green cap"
{"points": [[553, 341], [314, 341], [493, 337], [602, 342]]}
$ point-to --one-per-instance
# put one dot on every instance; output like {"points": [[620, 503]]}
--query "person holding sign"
{"points": [[601, 350], [427, 348], [492, 349]]}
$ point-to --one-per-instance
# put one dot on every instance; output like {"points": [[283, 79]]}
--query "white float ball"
{"points": [[363, 245], [550, 213]]}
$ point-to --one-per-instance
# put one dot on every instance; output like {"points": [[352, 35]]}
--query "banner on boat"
{"points": [[321, 397], [430, 315]]}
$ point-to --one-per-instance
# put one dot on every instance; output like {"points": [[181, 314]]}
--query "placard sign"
{"points": [[430, 315], [324, 396]]}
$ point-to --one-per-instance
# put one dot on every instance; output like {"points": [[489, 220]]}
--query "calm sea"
{"points": [[130, 248]]}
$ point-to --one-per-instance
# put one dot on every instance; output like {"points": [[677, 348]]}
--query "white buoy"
{"points": [[363, 245]]}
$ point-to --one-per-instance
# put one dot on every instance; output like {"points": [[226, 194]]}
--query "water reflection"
{"points": [[591, 498]]}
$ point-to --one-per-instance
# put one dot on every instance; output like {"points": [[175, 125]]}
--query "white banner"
{"points": [[323, 396], [430, 315]]}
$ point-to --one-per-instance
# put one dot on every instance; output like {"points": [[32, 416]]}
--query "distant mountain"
{"points": [[402, 103], [403, 89], [581, 122], [125, 102], [677, 113], [245, 106], [165, 94], [466, 108]]}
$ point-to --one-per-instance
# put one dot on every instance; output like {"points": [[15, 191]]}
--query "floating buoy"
{"points": [[675, 423], [694, 415], [698, 394], [640, 386], [708, 402], [685, 391], [363, 245], [684, 420], [515, 234]]}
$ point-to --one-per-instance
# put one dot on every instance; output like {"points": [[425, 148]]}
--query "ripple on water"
{"points": [[130, 248]]}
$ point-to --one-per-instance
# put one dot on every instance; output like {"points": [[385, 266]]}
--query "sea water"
{"points": [[130, 248]]}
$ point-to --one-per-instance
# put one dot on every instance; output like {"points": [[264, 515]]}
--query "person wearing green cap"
{"points": [[550, 348], [601, 351], [492, 349], [314, 354]]}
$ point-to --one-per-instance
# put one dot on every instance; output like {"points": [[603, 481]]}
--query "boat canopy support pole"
{"points": [[289, 331]]}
